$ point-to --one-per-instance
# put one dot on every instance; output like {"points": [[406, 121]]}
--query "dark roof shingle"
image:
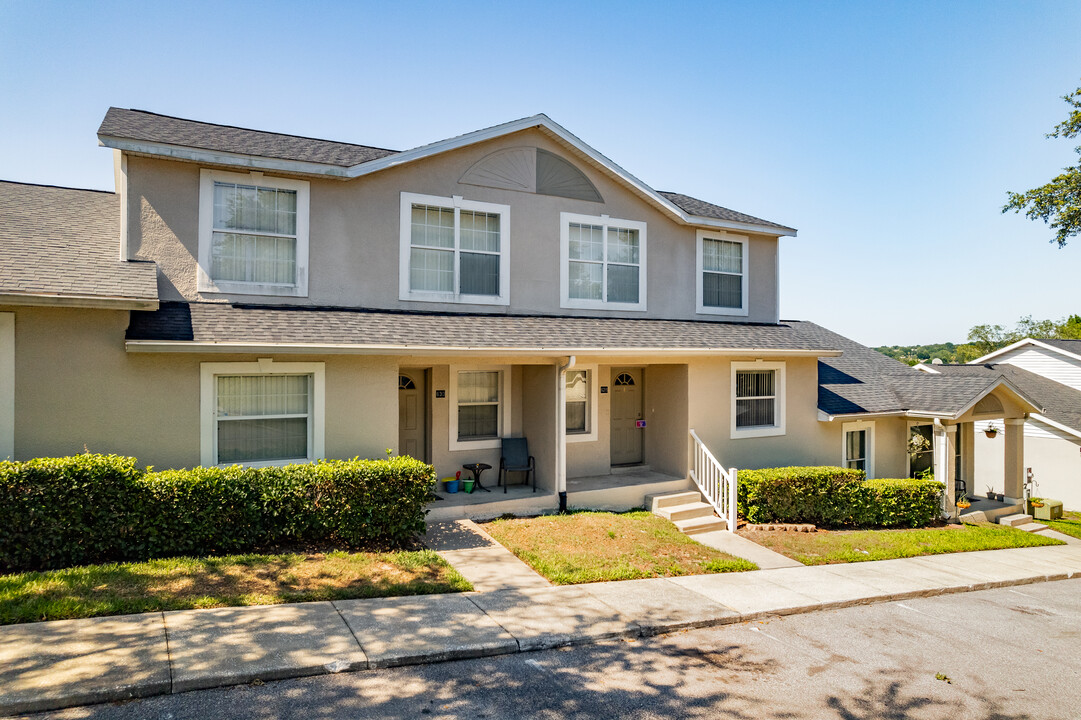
{"points": [[61, 241], [701, 208], [1060, 403], [151, 127], [218, 322]]}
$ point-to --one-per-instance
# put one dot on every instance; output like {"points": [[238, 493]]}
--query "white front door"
{"points": [[626, 412], [411, 415]]}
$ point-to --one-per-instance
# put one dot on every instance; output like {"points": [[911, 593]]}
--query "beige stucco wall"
{"points": [[806, 440], [354, 236], [76, 386]]}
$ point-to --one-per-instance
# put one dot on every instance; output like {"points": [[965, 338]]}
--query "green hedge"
{"points": [[59, 512], [835, 497]]}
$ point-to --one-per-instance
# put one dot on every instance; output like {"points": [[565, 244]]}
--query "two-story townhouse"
{"points": [[267, 298]]}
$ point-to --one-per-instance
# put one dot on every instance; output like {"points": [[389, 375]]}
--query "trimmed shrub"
{"points": [[820, 495], [835, 497], [93, 508], [903, 502], [59, 512]]}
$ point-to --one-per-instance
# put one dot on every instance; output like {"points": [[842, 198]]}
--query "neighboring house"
{"points": [[261, 298], [1049, 371]]}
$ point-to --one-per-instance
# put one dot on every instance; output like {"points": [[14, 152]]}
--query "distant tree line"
{"points": [[984, 339]]}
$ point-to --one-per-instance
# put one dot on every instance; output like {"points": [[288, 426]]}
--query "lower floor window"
{"points": [[856, 449], [478, 405], [263, 418], [756, 398], [577, 402]]}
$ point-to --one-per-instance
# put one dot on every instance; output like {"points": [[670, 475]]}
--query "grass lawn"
{"points": [[1070, 523], [183, 583], [596, 546], [841, 546]]}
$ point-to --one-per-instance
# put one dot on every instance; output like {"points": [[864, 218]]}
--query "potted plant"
{"points": [[991, 431], [1033, 503], [1001, 497], [990, 493], [963, 502]]}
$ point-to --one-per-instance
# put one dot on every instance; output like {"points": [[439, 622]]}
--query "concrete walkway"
{"points": [[479, 558], [739, 546], [74, 662]]}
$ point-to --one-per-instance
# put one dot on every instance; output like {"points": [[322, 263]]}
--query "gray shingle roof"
{"points": [[701, 208], [60, 241], [1060, 403], [863, 380], [151, 127], [217, 322], [1070, 346]]}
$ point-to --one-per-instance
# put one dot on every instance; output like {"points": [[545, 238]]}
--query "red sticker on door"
{"points": [[640, 423]]}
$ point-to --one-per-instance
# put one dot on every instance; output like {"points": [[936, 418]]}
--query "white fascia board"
{"points": [[182, 346], [922, 414], [80, 301], [1055, 424], [926, 368], [425, 151], [1021, 343]]}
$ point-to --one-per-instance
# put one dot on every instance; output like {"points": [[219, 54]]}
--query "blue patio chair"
{"points": [[515, 457]]}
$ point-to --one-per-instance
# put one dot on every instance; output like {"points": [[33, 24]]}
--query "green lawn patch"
{"points": [[841, 546], [597, 546], [1070, 524], [184, 583]]}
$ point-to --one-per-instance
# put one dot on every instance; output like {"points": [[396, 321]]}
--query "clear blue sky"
{"points": [[888, 133]]}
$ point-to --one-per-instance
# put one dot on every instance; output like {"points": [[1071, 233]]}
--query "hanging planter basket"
{"points": [[991, 433]]}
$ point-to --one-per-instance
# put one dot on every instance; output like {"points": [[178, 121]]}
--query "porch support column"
{"points": [[1014, 469], [943, 444], [561, 431]]}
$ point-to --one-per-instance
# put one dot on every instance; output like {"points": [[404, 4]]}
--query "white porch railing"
{"points": [[717, 485]]}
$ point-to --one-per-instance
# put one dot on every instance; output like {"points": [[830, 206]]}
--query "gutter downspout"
{"points": [[561, 431]]}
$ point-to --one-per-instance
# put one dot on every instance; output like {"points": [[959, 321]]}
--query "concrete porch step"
{"points": [[1032, 527], [656, 502], [1015, 519], [698, 525], [689, 511]]}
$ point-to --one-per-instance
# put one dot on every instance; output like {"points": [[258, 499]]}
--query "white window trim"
{"points": [[7, 386], [869, 461], [591, 412], [208, 405], [779, 403], [701, 307], [205, 283], [456, 203], [504, 407], [565, 300]]}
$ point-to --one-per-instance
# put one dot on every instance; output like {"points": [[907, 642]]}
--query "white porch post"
{"points": [[1014, 468], [561, 431], [941, 465]]}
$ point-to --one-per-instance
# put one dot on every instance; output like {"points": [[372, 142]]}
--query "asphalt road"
{"points": [[997, 654]]}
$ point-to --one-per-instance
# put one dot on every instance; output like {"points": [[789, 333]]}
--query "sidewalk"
{"points": [[73, 662]]}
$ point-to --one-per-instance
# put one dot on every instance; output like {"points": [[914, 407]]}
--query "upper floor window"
{"points": [[454, 250], [603, 263], [253, 234], [758, 399], [721, 275]]}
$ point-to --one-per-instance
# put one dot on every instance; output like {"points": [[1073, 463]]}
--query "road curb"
{"points": [[491, 649]]}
